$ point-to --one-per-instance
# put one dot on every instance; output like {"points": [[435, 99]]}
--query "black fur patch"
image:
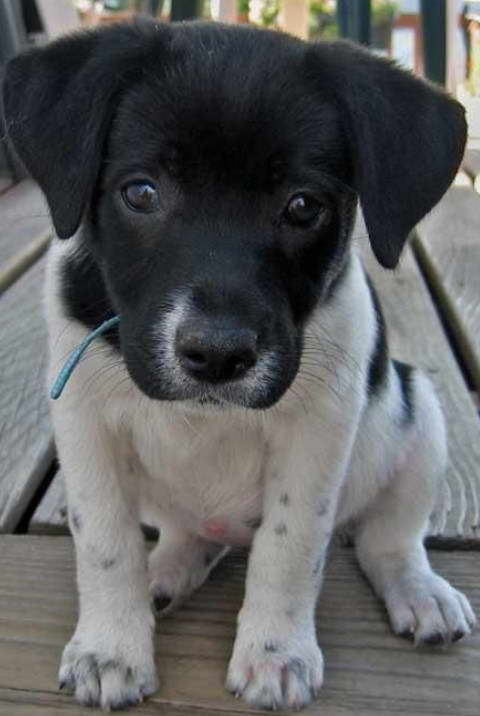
{"points": [[85, 295], [404, 372], [378, 368]]}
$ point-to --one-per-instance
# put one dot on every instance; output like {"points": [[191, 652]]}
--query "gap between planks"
{"points": [[448, 249], [26, 442]]}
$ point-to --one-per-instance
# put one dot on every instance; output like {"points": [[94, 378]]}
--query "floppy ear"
{"points": [[58, 104], [406, 139]]}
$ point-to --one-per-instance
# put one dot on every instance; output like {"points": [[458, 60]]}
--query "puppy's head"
{"points": [[216, 171]]}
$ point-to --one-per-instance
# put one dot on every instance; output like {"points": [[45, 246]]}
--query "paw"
{"points": [[277, 672], [426, 609], [109, 679], [175, 571]]}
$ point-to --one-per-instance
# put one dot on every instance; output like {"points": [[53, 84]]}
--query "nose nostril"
{"points": [[236, 365], [196, 358], [216, 356]]}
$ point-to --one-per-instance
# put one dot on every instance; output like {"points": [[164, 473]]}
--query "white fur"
{"points": [[321, 457]]}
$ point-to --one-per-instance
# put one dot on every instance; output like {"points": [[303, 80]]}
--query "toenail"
{"points": [[161, 602], [434, 639]]}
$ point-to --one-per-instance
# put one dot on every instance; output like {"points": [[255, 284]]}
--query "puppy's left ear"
{"points": [[59, 101], [406, 139]]}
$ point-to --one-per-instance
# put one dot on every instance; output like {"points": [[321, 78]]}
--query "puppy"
{"points": [[207, 179]]}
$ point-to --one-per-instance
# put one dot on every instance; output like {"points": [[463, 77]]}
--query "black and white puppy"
{"points": [[208, 177]]}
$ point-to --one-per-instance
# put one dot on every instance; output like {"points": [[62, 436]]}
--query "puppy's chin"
{"points": [[214, 398], [195, 395]]}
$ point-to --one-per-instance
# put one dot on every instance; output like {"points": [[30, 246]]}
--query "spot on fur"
{"points": [[284, 499], [281, 529], [107, 563], [271, 646], [76, 521], [323, 506]]}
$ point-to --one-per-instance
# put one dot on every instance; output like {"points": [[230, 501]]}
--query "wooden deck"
{"points": [[432, 305]]}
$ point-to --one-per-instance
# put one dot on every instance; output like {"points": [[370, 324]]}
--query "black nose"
{"points": [[216, 355]]}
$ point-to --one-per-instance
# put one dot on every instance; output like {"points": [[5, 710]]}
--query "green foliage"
{"points": [[323, 21], [383, 11], [270, 11]]}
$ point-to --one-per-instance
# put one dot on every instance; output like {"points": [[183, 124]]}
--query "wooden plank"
{"points": [[23, 259], [449, 249], [369, 671], [471, 164], [416, 336], [26, 446], [24, 216], [14, 702]]}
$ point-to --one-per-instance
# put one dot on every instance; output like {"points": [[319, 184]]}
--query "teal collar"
{"points": [[76, 354]]}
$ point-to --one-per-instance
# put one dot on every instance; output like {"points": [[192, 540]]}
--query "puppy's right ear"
{"points": [[58, 104]]}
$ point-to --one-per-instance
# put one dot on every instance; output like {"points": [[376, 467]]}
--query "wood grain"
{"points": [[416, 336], [26, 446], [449, 248], [17, 264], [23, 217], [368, 670]]}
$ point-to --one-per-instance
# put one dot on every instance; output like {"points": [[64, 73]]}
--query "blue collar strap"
{"points": [[76, 354]]}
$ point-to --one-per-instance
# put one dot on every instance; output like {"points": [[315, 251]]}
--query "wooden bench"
{"points": [[432, 307]]}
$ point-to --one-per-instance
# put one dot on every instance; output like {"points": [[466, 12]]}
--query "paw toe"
{"points": [[276, 681], [161, 603], [109, 683], [431, 613]]}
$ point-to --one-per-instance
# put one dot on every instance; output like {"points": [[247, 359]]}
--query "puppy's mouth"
{"points": [[210, 400], [216, 363], [259, 388]]}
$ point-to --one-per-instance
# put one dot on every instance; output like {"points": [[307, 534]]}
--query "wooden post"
{"points": [[354, 20], [224, 10], [434, 23], [185, 10], [293, 17]]}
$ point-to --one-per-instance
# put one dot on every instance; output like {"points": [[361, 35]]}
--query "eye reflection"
{"points": [[141, 196]]}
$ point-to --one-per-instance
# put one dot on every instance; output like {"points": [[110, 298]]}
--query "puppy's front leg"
{"points": [[276, 662], [109, 660]]}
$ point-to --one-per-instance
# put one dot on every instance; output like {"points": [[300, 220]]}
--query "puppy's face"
{"points": [[216, 171], [222, 219]]}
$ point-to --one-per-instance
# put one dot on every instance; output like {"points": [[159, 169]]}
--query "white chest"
{"points": [[205, 473]]}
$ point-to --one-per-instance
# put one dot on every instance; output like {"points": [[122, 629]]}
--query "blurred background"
{"points": [[439, 39]]}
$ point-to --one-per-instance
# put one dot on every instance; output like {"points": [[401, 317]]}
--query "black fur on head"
{"points": [[229, 126]]}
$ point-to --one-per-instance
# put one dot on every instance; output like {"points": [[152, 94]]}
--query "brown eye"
{"points": [[141, 196], [303, 210]]}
